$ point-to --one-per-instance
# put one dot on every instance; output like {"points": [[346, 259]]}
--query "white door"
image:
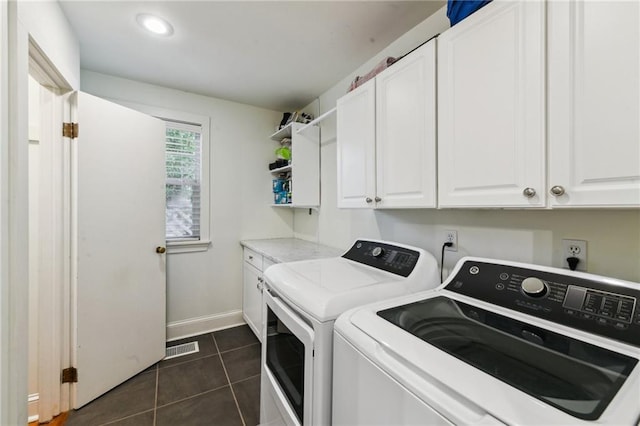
{"points": [[491, 108], [356, 138], [119, 220], [594, 103], [406, 131]]}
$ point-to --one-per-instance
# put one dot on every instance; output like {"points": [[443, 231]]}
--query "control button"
{"points": [[622, 317], [359, 245], [534, 287], [620, 325], [474, 270], [602, 321], [547, 310], [499, 286], [586, 316], [606, 314], [457, 284], [377, 252], [570, 312], [504, 276]]}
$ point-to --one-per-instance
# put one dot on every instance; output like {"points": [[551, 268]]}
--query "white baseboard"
{"points": [[32, 407], [200, 325]]}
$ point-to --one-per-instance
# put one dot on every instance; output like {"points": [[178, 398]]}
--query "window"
{"points": [[183, 185]]}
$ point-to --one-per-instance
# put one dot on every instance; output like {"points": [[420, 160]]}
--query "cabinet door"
{"points": [[406, 131], [594, 103], [491, 107], [355, 133], [252, 299]]}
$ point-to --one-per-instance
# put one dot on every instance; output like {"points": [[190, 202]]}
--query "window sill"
{"points": [[175, 247]]}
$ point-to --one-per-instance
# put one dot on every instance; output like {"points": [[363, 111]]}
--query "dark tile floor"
{"points": [[220, 385]]}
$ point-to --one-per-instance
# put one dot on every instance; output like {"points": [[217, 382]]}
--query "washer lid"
{"points": [[324, 288], [440, 342]]}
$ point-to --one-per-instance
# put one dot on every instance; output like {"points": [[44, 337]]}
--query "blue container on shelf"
{"points": [[457, 10], [281, 197], [279, 185]]}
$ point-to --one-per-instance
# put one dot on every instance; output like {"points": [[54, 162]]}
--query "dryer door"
{"points": [[288, 359]]}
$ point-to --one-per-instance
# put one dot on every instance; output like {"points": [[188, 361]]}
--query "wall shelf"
{"points": [[304, 168]]}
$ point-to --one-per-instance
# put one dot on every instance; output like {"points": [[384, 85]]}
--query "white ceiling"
{"points": [[274, 54]]}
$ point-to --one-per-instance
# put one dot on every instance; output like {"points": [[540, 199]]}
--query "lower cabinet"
{"points": [[253, 284]]}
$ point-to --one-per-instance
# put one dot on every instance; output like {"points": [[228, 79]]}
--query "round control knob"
{"points": [[534, 287], [377, 252]]}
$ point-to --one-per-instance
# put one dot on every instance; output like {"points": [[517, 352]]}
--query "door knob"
{"points": [[557, 190], [160, 249], [529, 192]]}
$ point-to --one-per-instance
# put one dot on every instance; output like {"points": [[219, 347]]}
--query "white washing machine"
{"points": [[302, 301], [498, 343]]}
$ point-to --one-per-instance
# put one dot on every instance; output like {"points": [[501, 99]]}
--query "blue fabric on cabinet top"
{"points": [[457, 10]]}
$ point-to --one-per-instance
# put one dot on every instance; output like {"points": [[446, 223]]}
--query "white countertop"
{"points": [[282, 250]]}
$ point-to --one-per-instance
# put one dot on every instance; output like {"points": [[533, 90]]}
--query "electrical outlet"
{"points": [[451, 237], [577, 249]]}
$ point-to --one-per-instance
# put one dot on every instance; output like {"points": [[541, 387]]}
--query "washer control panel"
{"points": [[390, 258], [593, 305]]}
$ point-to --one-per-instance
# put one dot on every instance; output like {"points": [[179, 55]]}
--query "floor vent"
{"points": [[181, 350]]}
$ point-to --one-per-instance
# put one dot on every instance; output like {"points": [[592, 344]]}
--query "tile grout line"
{"points": [[228, 380], [240, 347], [177, 401], [111, 422], [246, 378], [155, 401]]}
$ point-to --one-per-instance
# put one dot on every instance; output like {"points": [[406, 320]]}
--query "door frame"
{"points": [[54, 266]]}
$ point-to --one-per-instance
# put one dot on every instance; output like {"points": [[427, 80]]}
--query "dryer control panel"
{"points": [[598, 306], [388, 257]]}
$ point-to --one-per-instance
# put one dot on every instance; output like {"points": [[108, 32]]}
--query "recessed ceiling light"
{"points": [[154, 24]]}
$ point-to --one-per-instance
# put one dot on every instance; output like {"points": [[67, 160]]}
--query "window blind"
{"points": [[183, 184]]}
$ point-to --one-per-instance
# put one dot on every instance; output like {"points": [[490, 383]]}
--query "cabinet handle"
{"points": [[368, 200], [250, 257], [529, 192], [557, 190], [160, 249], [378, 199]]}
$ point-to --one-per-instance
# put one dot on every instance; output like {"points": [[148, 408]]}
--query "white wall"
{"points": [[50, 30], [204, 288], [532, 236]]}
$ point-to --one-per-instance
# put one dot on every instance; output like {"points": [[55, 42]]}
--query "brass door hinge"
{"points": [[70, 130], [70, 375]]}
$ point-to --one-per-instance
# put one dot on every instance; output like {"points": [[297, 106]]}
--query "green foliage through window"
{"points": [[183, 163]]}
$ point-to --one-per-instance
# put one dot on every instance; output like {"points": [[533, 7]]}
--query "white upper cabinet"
{"points": [[594, 103], [491, 108], [356, 138], [386, 133], [406, 131]]}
